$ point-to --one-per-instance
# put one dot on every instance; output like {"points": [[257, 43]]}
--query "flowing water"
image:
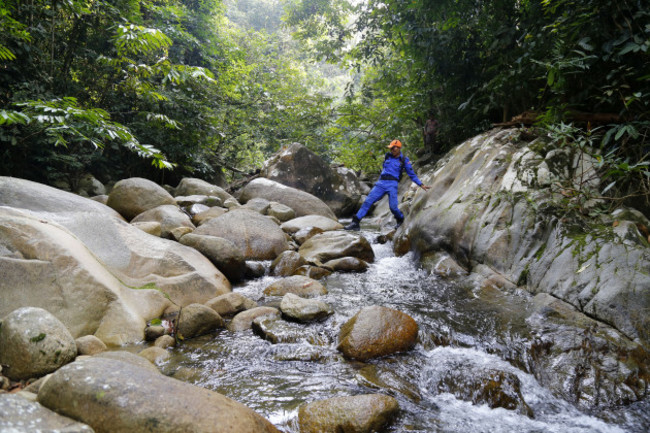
{"points": [[275, 379]]}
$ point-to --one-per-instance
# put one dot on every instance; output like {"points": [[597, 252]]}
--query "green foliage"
{"points": [[88, 85]]}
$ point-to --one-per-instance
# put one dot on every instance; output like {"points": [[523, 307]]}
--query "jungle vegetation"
{"points": [[169, 88]]}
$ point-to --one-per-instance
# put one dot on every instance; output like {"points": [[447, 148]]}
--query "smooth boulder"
{"points": [[244, 320], [255, 235], [353, 414], [197, 319], [303, 222], [130, 197], [304, 310], [122, 397], [301, 202], [335, 245], [377, 331], [298, 285], [33, 343]]}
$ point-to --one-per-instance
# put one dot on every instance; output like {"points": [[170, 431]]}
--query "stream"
{"points": [[457, 331]]}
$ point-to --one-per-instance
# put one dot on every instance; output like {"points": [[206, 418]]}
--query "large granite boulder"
{"points": [[377, 331], [491, 203], [301, 202], [255, 235], [354, 414], [131, 197], [33, 342], [121, 397], [83, 263], [298, 167], [335, 245]]}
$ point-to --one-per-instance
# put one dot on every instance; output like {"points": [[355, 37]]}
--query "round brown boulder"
{"points": [[355, 414], [131, 197], [198, 319], [33, 343], [377, 331]]}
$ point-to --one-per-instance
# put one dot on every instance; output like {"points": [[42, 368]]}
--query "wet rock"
{"points": [[255, 235], [334, 245], [582, 360], [89, 345], [298, 285], [119, 399], [443, 265], [377, 331], [492, 387], [301, 202], [165, 341], [314, 272], [280, 331], [302, 235], [281, 212], [170, 217], [401, 382], [130, 197], [153, 332], [19, 414], [191, 186], [304, 310], [355, 414], [230, 304], [244, 320], [317, 221], [286, 263], [33, 342], [225, 255], [197, 319], [155, 354], [254, 270], [207, 215], [346, 264]]}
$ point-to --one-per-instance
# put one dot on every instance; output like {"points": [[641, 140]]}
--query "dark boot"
{"points": [[399, 223], [354, 225]]}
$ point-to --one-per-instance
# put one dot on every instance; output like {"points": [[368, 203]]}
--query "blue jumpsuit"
{"points": [[387, 184]]}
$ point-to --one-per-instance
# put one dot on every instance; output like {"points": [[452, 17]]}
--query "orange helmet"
{"points": [[395, 143]]}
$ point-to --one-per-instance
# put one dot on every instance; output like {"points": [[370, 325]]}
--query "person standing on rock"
{"points": [[394, 164]]}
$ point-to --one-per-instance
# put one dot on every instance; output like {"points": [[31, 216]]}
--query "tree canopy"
{"points": [[167, 88]]}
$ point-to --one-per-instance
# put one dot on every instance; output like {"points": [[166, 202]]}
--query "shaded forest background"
{"points": [[208, 88]]}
